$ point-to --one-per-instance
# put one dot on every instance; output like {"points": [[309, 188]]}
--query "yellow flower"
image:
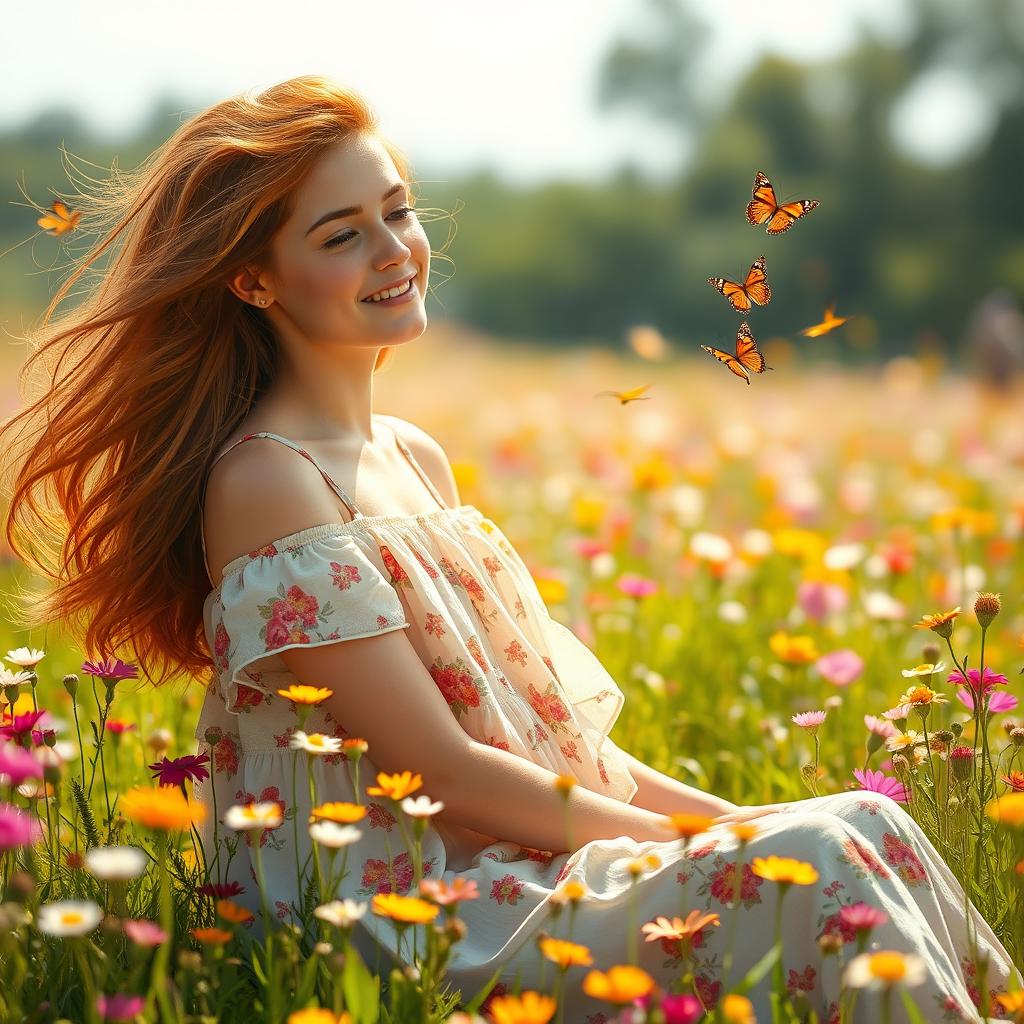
{"points": [[528, 1008], [652, 474], [1012, 1002], [1007, 810], [690, 825], [784, 870], [552, 590], [211, 936], [565, 953], [971, 520], [571, 892], [233, 912], [340, 811], [161, 807], [744, 831], [921, 695], [565, 783], [302, 694], [738, 1010], [466, 474], [794, 650], [941, 622], [587, 513], [314, 1015], [805, 544], [407, 909], [622, 984], [397, 786], [639, 865]]}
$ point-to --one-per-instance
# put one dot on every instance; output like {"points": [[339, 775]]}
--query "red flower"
{"points": [[724, 880], [221, 890], [174, 773]]}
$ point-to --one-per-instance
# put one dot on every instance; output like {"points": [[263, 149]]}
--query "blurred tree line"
{"points": [[911, 247]]}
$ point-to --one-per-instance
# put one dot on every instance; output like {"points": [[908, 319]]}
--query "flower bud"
{"points": [[900, 763], [159, 741], [956, 728], [830, 943], [323, 949], [943, 735], [1017, 737], [953, 804], [213, 735], [456, 929], [20, 887], [930, 653], [12, 692], [986, 608], [962, 761], [833, 702], [71, 684]]}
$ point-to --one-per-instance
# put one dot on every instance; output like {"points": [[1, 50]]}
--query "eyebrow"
{"points": [[350, 210]]}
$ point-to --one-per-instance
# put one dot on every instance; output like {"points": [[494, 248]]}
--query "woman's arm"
{"points": [[665, 795]]}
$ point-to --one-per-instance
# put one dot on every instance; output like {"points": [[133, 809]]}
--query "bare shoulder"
{"points": [[260, 491], [429, 453]]}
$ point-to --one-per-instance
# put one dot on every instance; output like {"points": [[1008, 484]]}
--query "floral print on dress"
{"points": [[907, 864], [269, 794], [458, 685], [344, 575]]}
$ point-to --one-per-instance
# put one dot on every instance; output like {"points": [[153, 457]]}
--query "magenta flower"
{"points": [[144, 933], [840, 668], [997, 702], [991, 679], [17, 828], [174, 773], [120, 1006], [221, 890], [862, 917], [879, 782], [111, 668], [21, 726], [636, 586], [678, 1009], [819, 599], [17, 764], [809, 720]]}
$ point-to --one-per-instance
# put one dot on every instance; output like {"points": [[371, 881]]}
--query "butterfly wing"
{"points": [[747, 352], [763, 206], [59, 220], [730, 361], [734, 292], [816, 331], [756, 285], [788, 213]]}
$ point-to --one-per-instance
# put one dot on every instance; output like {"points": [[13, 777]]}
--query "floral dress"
{"points": [[516, 679]]}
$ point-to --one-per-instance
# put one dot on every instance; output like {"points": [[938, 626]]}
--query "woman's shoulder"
{"points": [[428, 452]]}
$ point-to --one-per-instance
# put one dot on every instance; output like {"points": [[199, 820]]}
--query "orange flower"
{"points": [[302, 694], [211, 936], [161, 807], [738, 1010], [528, 1008], [397, 786], [744, 831], [407, 909], [1012, 1002], [677, 928], [941, 622], [565, 953], [233, 912], [315, 1015], [690, 825], [1007, 810], [622, 984], [339, 811], [571, 892], [784, 870], [793, 650], [1015, 780], [565, 783]]}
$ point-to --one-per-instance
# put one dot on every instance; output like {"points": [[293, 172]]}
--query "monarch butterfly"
{"points": [[829, 322], [60, 220], [764, 207], [747, 356], [754, 288], [632, 395]]}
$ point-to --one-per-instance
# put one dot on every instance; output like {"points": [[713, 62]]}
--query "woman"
{"points": [[272, 259]]}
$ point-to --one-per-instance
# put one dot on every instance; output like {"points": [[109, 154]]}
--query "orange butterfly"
{"points": [[632, 395], [60, 220], [747, 356], [829, 322], [754, 288], [764, 208]]}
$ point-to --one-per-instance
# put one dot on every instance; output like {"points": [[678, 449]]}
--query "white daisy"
{"points": [[68, 917], [314, 742], [10, 678], [116, 863], [243, 817], [25, 657], [927, 669], [342, 913], [330, 833], [421, 806], [885, 969]]}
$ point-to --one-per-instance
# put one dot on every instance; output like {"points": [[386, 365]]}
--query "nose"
{"points": [[391, 250]]}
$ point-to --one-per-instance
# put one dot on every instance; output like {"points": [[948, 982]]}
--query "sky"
{"points": [[457, 84]]}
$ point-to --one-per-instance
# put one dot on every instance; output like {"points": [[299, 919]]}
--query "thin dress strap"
{"points": [[404, 449]]}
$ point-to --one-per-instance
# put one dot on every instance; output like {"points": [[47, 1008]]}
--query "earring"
{"points": [[262, 302]]}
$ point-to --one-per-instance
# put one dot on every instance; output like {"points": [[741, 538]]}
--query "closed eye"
{"points": [[337, 240]]}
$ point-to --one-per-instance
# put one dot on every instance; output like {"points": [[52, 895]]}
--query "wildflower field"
{"points": [[804, 586]]}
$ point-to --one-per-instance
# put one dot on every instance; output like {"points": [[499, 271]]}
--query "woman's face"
{"points": [[352, 234]]}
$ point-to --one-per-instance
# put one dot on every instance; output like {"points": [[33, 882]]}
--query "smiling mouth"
{"points": [[402, 289]]}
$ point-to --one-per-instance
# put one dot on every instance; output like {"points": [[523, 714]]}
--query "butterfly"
{"points": [[765, 208], [632, 395], [754, 288], [60, 220], [829, 322], [747, 356]]}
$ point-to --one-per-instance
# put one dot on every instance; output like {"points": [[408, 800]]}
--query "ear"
{"points": [[248, 284]]}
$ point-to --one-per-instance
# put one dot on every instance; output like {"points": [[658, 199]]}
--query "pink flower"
{"points": [[174, 773], [588, 547], [17, 828], [879, 782], [809, 720], [21, 726], [120, 1007], [997, 702], [862, 917], [880, 727], [678, 1009], [819, 599], [144, 933], [975, 681], [18, 764], [111, 668], [117, 727], [840, 668], [636, 586]]}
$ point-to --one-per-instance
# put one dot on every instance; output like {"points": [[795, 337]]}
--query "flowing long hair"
{"points": [[148, 375]]}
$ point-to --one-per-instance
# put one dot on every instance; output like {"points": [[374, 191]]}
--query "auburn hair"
{"points": [[154, 368]]}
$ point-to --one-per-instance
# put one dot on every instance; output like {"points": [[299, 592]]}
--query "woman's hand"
{"points": [[753, 811]]}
